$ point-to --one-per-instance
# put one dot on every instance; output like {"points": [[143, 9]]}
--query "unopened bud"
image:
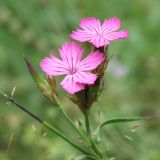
{"points": [[46, 87]]}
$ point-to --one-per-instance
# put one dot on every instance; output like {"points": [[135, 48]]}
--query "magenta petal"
{"points": [[90, 23], [91, 28], [99, 41], [53, 66], [85, 77], [117, 35], [83, 36], [91, 61], [111, 24], [71, 53], [71, 86]]}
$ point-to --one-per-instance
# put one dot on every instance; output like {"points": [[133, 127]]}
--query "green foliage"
{"points": [[36, 28]]}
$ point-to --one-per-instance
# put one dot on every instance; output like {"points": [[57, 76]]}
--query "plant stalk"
{"points": [[46, 124], [69, 120], [92, 143]]}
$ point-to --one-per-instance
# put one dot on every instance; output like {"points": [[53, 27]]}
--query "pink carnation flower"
{"points": [[97, 34], [76, 71]]}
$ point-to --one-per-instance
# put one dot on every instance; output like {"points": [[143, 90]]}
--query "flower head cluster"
{"points": [[97, 34], [77, 71]]}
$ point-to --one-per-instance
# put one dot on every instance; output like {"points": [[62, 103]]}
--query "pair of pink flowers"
{"points": [[77, 70]]}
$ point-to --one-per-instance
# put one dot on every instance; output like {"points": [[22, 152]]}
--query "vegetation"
{"points": [[35, 28]]}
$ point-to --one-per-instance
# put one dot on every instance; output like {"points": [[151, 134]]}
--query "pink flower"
{"points": [[76, 71], [97, 34]]}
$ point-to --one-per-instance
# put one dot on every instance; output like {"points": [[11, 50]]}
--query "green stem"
{"points": [[69, 120], [46, 124], [94, 146], [50, 127]]}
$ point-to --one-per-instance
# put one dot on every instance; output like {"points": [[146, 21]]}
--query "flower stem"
{"points": [[70, 121], [46, 124], [93, 145]]}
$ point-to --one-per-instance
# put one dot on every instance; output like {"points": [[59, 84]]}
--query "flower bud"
{"points": [[47, 87]]}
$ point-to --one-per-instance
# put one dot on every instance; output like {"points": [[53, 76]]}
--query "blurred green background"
{"points": [[36, 28]]}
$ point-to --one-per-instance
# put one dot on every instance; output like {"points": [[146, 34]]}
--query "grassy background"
{"points": [[36, 28]]}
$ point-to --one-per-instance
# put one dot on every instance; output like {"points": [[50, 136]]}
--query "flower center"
{"points": [[72, 71]]}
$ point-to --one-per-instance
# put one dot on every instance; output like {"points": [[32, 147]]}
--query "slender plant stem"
{"points": [[94, 146], [70, 121], [50, 127], [46, 124]]}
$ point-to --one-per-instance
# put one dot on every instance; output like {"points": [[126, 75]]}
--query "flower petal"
{"points": [[117, 35], [85, 77], [70, 85], [99, 41], [111, 25], [91, 29], [83, 35], [53, 66], [71, 53], [91, 61], [90, 23]]}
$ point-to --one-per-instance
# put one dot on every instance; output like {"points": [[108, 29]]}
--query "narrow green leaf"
{"points": [[120, 120]]}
